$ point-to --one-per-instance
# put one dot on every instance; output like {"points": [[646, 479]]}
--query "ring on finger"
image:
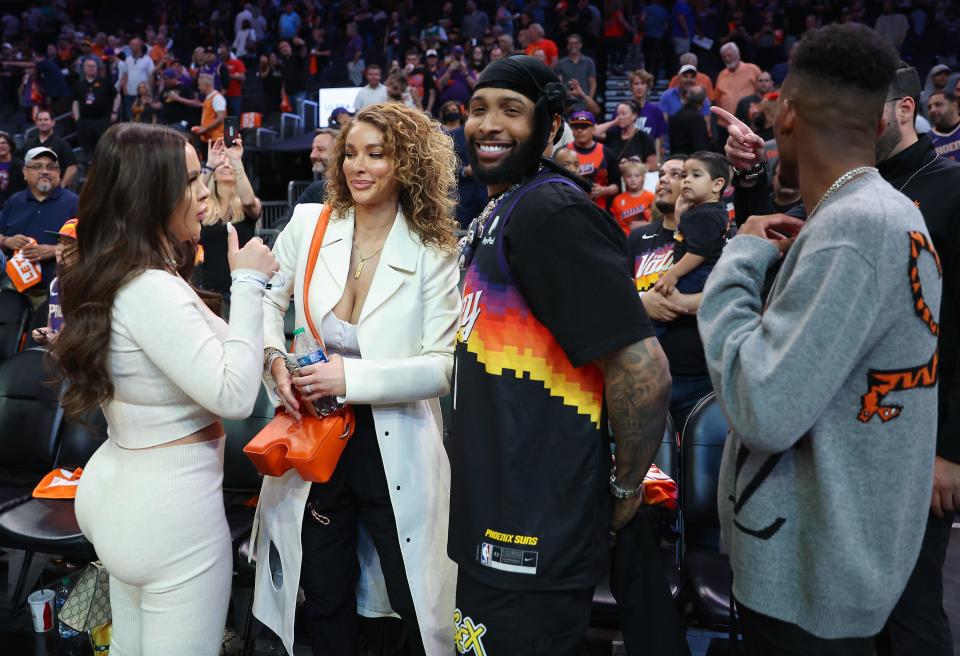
{"points": [[308, 388]]}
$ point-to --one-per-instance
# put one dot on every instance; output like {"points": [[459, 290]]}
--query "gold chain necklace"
{"points": [[356, 274]]}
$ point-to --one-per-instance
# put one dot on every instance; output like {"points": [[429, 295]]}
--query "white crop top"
{"points": [[340, 336], [176, 366]]}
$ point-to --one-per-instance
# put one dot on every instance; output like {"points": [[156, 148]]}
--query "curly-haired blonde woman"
{"points": [[384, 293]]}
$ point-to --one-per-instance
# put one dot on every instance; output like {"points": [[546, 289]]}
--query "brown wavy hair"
{"points": [[424, 164], [137, 181]]}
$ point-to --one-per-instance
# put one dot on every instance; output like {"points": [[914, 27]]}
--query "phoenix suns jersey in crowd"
{"points": [[651, 248], [947, 144], [548, 292]]}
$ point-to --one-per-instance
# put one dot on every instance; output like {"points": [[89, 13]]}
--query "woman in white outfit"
{"points": [[141, 343], [384, 295]]}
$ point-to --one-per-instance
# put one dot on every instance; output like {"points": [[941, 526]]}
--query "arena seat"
{"points": [[294, 189], [241, 482], [271, 212], [49, 526], [28, 425], [14, 314], [707, 575]]}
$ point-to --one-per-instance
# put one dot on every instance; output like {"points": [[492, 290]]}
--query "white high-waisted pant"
{"points": [[156, 519]]}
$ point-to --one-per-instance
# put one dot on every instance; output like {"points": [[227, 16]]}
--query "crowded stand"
{"points": [[485, 327]]}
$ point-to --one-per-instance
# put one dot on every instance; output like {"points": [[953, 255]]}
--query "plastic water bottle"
{"points": [[61, 592], [308, 352]]}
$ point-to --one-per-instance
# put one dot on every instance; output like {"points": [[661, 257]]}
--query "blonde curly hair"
{"points": [[424, 164]]}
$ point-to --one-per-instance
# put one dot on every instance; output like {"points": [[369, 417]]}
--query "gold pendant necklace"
{"points": [[356, 274]]}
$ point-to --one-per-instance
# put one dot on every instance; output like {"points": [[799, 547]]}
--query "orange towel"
{"points": [[59, 484]]}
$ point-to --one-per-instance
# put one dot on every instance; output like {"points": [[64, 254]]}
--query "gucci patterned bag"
{"points": [[88, 605]]}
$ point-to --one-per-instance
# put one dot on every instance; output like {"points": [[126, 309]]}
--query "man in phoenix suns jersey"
{"points": [[651, 248], [944, 111], [597, 162], [553, 347]]}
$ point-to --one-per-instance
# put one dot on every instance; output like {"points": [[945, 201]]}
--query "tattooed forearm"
{"points": [[638, 395]]}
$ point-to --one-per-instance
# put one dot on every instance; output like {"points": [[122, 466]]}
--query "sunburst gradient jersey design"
{"points": [[507, 339]]}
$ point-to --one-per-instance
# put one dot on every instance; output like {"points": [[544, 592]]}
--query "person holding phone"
{"points": [[456, 80], [232, 201]]}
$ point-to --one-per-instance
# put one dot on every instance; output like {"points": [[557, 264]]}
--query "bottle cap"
{"points": [[299, 331]]}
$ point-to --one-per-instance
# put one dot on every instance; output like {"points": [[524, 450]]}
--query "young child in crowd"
{"points": [[632, 208], [703, 218], [65, 252]]}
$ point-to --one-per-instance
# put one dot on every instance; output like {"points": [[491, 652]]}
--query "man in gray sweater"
{"points": [[829, 384]]}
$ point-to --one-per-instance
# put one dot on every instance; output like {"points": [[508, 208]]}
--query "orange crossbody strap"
{"points": [[314, 253]]}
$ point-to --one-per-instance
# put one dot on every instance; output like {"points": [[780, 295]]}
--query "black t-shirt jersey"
{"points": [[702, 232], [640, 145], [652, 250], [548, 292], [94, 99]]}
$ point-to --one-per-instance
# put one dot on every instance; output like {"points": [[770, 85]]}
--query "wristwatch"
{"points": [[619, 493]]}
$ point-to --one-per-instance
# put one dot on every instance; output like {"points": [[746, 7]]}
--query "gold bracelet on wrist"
{"points": [[269, 355]]}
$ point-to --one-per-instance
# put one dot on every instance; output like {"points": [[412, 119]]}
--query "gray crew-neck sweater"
{"points": [[831, 397]]}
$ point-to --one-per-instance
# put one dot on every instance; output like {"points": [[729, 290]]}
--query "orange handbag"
{"points": [[312, 445]]}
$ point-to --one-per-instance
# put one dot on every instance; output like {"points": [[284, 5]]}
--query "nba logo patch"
{"points": [[486, 551]]}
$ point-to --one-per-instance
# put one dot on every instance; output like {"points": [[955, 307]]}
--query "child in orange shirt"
{"points": [[632, 207]]}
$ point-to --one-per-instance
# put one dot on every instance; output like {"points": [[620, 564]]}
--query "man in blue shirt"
{"points": [[289, 22], [43, 206], [672, 100]]}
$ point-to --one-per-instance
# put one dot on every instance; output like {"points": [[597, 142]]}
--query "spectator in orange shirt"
{"points": [[702, 80], [631, 209], [158, 50], [539, 42], [738, 80]]}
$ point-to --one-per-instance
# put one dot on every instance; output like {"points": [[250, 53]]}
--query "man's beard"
{"points": [[44, 186], [888, 140], [511, 169], [665, 206], [319, 169]]}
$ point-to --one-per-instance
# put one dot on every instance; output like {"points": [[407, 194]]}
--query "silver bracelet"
{"points": [[621, 493]]}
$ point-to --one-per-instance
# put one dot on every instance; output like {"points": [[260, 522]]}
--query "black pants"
{"points": [[356, 493], [918, 624], [494, 622], [89, 131], [638, 581], [766, 636]]}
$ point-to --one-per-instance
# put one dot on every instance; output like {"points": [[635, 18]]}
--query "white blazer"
{"points": [[406, 333]]}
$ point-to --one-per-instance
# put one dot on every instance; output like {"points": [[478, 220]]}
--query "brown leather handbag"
{"points": [[312, 445]]}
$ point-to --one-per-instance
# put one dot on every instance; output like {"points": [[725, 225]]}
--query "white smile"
{"points": [[492, 149]]}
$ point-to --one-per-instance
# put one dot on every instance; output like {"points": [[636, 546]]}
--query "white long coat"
{"points": [[406, 334]]}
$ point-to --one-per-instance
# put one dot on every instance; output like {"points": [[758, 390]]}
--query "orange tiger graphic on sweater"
{"points": [[882, 382]]}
